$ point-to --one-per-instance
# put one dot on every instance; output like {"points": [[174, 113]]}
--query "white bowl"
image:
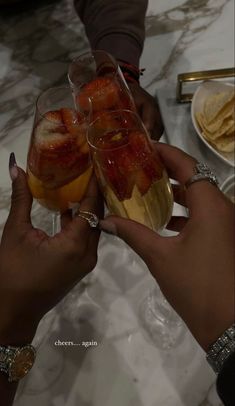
{"points": [[228, 187], [206, 89]]}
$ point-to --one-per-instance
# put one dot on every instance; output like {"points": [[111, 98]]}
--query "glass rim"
{"points": [[95, 51], [119, 129], [49, 89], [91, 53]]}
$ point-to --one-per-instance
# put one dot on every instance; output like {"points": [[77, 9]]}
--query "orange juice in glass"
{"points": [[133, 179], [58, 164]]}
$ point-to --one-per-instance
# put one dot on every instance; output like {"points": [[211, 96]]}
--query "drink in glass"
{"points": [[58, 165], [96, 75], [133, 179]]}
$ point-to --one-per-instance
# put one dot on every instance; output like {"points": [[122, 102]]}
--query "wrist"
{"points": [[121, 45], [130, 72], [17, 336], [222, 349]]}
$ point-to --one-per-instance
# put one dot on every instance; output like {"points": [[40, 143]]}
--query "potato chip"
{"points": [[225, 144], [226, 112], [215, 103], [231, 132], [217, 121], [211, 127], [223, 127]]}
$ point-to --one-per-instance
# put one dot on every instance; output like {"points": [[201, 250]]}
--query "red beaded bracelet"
{"points": [[130, 72]]}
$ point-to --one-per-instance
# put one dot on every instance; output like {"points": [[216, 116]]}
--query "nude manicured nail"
{"points": [[108, 227], [13, 170]]}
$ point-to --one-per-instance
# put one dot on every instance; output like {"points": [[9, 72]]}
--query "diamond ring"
{"points": [[202, 172], [91, 218]]}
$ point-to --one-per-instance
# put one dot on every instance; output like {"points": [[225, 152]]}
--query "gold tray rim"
{"points": [[199, 76]]}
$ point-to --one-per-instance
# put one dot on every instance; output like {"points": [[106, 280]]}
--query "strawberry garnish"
{"points": [[121, 185], [127, 121], [102, 91], [70, 119], [75, 124], [111, 140], [143, 182], [105, 121], [54, 116], [153, 168], [56, 157], [140, 145], [124, 160]]}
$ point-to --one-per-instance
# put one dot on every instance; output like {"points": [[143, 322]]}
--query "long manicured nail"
{"points": [[13, 170], [108, 227]]}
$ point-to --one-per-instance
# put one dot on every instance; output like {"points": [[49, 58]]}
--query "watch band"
{"points": [[221, 349], [16, 362]]}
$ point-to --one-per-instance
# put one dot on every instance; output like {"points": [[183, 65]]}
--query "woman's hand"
{"points": [[36, 271], [148, 110], [195, 269]]}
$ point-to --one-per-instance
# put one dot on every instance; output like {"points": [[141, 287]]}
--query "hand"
{"points": [[195, 269], [148, 110], [36, 270]]}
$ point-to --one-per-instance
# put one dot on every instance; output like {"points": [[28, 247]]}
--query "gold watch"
{"points": [[16, 362]]}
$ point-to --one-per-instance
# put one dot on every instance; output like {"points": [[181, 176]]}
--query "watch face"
{"points": [[21, 363]]}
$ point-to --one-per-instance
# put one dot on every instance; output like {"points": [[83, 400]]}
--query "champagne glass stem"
{"points": [[56, 226]]}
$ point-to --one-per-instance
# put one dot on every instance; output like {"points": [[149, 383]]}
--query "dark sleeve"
{"points": [[116, 26], [226, 382]]}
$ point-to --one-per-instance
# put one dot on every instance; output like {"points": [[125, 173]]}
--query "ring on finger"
{"points": [[202, 172], [90, 217]]}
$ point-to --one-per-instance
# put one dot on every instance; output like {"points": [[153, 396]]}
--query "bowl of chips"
{"points": [[213, 115]]}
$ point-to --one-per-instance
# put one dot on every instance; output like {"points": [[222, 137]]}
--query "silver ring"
{"points": [[91, 218], [202, 172]]}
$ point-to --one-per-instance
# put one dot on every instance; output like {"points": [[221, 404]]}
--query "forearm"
{"points": [[115, 26], [7, 390]]}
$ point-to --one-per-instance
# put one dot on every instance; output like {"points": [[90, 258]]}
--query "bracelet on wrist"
{"points": [[221, 350], [130, 72]]}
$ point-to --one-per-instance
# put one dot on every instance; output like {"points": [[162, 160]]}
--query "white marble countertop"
{"points": [[125, 368]]}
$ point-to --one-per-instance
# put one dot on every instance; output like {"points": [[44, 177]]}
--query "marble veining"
{"points": [[126, 368], [190, 20]]}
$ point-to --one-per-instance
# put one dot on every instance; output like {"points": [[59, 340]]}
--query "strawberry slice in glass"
{"points": [[103, 93]]}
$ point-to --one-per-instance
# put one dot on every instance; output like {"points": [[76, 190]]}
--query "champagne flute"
{"points": [[98, 85], [131, 175], [58, 165], [58, 172], [135, 185], [96, 75]]}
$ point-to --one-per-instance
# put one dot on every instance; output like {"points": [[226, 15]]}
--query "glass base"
{"points": [[161, 322]]}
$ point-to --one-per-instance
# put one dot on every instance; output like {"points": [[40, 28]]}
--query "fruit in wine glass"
{"points": [[132, 177], [104, 93], [59, 166]]}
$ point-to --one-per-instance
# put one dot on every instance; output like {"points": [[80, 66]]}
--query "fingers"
{"points": [[65, 219], [21, 199], [148, 110], [177, 223], [153, 122], [152, 119], [181, 166], [179, 194], [141, 239], [92, 202]]}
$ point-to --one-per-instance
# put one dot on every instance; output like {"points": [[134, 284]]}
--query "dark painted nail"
{"points": [[13, 170]]}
